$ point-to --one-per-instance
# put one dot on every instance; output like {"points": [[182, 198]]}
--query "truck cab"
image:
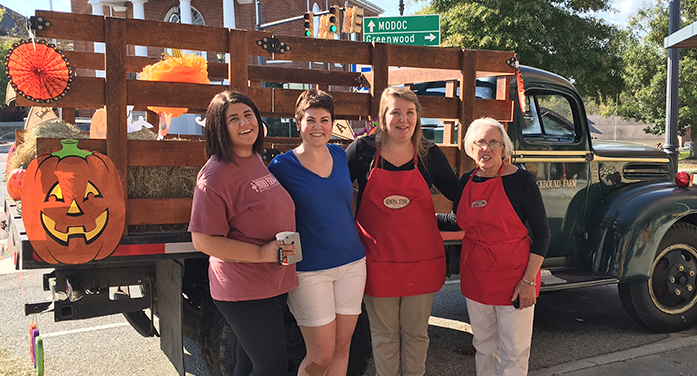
{"points": [[615, 211]]}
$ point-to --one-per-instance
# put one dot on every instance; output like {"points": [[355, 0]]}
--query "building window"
{"points": [[174, 15]]}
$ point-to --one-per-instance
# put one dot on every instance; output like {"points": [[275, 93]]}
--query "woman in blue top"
{"points": [[332, 274]]}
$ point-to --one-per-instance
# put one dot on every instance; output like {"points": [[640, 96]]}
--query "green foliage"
{"points": [[5, 46], [645, 72], [556, 35]]}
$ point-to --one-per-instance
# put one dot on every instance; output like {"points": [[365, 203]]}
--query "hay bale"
{"points": [[26, 152], [161, 182], [143, 134]]}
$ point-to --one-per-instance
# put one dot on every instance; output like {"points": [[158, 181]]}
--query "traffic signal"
{"points": [[348, 13], [323, 27], [333, 26], [356, 23], [309, 24]]}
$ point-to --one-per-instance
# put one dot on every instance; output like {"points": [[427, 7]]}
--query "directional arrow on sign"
{"points": [[371, 25], [430, 37]]}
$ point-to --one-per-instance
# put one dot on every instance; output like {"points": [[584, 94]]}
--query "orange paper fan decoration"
{"points": [[38, 71], [187, 68]]}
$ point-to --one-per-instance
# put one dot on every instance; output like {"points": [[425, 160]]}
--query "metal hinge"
{"points": [[39, 23], [273, 45]]}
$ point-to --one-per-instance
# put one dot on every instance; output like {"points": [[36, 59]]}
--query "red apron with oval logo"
{"points": [[398, 227], [496, 246]]}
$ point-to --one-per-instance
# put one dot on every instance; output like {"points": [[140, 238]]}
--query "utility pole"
{"points": [[261, 60], [671, 145]]}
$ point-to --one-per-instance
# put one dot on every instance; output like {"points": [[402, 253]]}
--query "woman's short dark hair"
{"points": [[217, 138], [313, 98]]}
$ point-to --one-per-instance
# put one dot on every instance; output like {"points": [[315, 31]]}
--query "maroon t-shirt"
{"points": [[245, 202]]}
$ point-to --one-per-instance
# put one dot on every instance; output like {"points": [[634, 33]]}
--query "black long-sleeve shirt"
{"points": [[435, 169], [526, 199]]}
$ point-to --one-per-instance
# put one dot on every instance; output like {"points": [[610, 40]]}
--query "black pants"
{"points": [[261, 335]]}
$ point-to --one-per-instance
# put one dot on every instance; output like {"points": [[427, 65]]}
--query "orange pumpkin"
{"points": [[98, 124], [74, 209], [10, 154], [14, 182]]}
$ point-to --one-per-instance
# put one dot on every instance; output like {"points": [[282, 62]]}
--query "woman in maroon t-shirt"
{"points": [[237, 210]]}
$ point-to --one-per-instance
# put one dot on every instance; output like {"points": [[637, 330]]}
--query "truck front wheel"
{"points": [[667, 302]]}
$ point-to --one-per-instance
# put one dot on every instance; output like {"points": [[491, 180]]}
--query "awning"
{"points": [[683, 38]]}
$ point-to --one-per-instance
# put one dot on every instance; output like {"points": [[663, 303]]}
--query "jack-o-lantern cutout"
{"points": [[73, 208]]}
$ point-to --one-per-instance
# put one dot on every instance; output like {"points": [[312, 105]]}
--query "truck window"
{"points": [[549, 117]]}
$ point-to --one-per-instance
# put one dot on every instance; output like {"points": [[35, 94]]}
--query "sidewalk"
{"points": [[676, 355]]}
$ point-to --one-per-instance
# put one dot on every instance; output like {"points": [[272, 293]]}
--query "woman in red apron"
{"points": [[396, 222], [499, 263]]}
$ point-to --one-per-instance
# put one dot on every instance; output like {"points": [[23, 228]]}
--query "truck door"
{"points": [[551, 142]]}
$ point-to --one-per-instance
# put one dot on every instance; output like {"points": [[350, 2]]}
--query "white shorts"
{"points": [[322, 294]]}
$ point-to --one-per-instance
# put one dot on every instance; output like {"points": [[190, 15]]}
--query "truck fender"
{"points": [[627, 226]]}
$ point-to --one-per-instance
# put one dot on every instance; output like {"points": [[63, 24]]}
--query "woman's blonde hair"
{"points": [[487, 122], [421, 144]]}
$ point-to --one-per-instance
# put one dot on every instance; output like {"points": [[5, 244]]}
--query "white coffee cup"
{"points": [[295, 240]]}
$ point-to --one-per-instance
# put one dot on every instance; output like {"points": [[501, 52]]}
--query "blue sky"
{"points": [[623, 8]]}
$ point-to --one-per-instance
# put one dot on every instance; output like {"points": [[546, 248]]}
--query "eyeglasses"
{"points": [[493, 145]]}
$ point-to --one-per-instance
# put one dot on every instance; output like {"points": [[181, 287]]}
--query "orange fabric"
{"points": [[188, 68]]}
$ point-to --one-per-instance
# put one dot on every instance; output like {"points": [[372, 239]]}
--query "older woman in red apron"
{"points": [[499, 263], [396, 222]]}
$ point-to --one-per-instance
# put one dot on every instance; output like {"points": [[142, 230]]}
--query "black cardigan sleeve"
{"points": [[443, 176]]}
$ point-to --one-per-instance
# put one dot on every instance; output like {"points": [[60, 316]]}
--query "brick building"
{"points": [[238, 14], [234, 14]]}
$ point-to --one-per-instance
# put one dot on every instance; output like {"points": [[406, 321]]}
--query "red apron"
{"points": [[398, 227], [496, 246]]}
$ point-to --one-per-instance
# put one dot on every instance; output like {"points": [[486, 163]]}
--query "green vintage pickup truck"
{"points": [[616, 210]]}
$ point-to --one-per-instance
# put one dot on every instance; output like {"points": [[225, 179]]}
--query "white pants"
{"points": [[502, 338]]}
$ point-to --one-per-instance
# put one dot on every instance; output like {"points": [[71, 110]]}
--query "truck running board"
{"points": [[571, 279]]}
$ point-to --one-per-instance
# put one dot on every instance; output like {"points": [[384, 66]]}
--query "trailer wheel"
{"points": [[217, 341], [667, 302]]}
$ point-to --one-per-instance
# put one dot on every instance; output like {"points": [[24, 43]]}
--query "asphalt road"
{"points": [[569, 325]]}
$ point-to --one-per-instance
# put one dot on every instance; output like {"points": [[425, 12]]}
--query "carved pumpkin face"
{"points": [[74, 209]]}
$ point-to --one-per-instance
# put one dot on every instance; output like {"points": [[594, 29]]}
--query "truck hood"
{"points": [[626, 149]]}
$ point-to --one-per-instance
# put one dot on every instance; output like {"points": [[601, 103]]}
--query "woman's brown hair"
{"points": [[313, 98]]}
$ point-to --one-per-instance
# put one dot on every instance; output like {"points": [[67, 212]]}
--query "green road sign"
{"points": [[413, 30]]}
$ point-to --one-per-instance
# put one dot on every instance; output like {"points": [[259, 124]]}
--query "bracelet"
{"points": [[528, 282]]}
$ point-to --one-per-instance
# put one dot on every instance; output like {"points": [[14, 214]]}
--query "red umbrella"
{"points": [[38, 71]]}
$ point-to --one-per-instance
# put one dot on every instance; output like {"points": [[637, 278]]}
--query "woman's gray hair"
{"points": [[487, 122]]}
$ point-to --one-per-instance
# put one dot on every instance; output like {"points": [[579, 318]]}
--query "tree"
{"points": [[645, 72], [556, 35], [7, 39]]}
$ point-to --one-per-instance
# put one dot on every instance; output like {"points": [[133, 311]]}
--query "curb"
{"points": [[674, 342]]}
